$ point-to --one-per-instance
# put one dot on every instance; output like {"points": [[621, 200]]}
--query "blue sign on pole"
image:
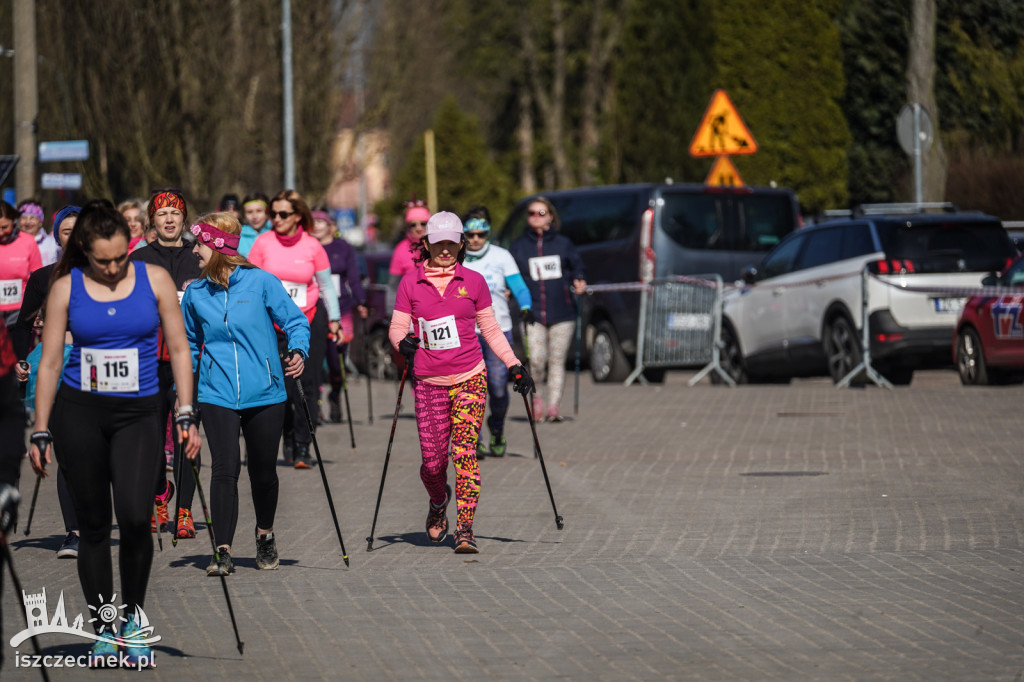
{"points": [[61, 181], [66, 150]]}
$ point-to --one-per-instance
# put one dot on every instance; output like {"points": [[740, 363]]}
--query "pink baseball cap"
{"points": [[444, 226]]}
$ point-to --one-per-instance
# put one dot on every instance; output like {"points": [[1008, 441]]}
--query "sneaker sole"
{"points": [[466, 548], [269, 567], [302, 465], [214, 572], [67, 554]]}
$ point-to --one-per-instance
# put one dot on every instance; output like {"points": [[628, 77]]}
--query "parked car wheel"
{"points": [[970, 360], [842, 348], [731, 358], [607, 361]]}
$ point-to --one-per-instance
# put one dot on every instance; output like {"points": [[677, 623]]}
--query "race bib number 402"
{"points": [[110, 371], [439, 334], [545, 267]]}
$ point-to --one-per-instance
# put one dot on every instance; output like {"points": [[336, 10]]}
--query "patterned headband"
{"points": [[33, 210], [216, 239], [168, 199]]}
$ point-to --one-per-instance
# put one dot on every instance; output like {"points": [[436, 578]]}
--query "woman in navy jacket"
{"points": [[553, 270], [230, 312]]}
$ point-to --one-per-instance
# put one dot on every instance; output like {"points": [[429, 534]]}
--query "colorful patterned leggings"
{"points": [[451, 414]]}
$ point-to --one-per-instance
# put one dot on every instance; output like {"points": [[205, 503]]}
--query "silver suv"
{"points": [[800, 313]]}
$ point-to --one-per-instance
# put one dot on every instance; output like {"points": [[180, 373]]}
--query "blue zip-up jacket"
{"points": [[232, 338], [248, 236], [551, 298]]}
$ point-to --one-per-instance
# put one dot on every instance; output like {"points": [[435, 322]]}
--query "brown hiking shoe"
{"points": [[437, 518]]}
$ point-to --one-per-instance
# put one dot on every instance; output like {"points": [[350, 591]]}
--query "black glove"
{"points": [[183, 420], [521, 381], [408, 346], [42, 440], [528, 317], [9, 499]]}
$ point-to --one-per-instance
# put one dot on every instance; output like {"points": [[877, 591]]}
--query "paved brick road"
{"points": [[762, 533]]}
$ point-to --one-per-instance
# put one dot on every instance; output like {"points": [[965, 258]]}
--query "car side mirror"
{"points": [[750, 275], [990, 280]]}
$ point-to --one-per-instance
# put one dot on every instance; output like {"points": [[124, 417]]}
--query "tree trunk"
{"points": [[599, 51], [524, 133], [551, 104], [921, 89]]}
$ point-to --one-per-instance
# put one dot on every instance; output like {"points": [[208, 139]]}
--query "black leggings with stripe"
{"points": [[110, 443]]}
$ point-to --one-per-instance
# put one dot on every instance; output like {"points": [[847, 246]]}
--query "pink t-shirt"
{"points": [[445, 323], [402, 259], [17, 261], [294, 265]]}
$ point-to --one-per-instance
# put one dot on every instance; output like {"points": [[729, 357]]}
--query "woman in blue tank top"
{"points": [[105, 419]]}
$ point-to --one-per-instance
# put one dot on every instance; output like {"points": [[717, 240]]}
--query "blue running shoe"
{"points": [[138, 655], [104, 654]]}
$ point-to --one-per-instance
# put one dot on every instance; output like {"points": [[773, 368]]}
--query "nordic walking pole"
{"points": [[159, 530], [344, 389], [387, 457], [17, 587], [579, 334], [216, 554], [526, 348], [35, 495], [540, 456], [179, 452], [320, 461], [366, 356]]}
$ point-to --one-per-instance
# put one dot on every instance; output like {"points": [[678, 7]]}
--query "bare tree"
{"points": [[605, 28], [549, 96]]}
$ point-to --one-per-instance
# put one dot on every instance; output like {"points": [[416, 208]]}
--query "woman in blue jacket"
{"points": [[230, 312]]}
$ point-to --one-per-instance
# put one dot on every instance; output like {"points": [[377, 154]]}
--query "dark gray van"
{"points": [[692, 229]]}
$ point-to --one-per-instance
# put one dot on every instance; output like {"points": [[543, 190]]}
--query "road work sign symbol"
{"points": [[722, 131], [724, 174]]}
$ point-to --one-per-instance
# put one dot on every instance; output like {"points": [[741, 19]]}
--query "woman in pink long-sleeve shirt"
{"points": [[19, 257], [447, 302]]}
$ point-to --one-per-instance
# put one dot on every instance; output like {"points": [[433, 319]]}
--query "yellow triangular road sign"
{"points": [[724, 174], [722, 131]]}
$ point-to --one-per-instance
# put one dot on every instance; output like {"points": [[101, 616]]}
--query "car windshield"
{"points": [[703, 221], [948, 246]]}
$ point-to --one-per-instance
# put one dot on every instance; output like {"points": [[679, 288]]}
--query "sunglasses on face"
{"points": [[540, 213], [283, 215], [476, 235], [416, 223]]}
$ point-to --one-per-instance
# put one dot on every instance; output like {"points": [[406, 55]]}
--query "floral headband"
{"points": [[33, 210], [216, 239]]}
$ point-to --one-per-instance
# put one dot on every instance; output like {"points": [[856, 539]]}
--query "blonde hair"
{"points": [[220, 266]]}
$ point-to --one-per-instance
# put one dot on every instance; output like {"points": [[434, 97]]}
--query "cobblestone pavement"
{"points": [[761, 533]]}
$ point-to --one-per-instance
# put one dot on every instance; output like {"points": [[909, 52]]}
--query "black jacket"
{"points": [[552, 298], [177, 260]]}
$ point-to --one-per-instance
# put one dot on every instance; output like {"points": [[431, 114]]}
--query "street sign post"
{"points": [[61, 181], [66, 150], [724, 174], [914, 130]]}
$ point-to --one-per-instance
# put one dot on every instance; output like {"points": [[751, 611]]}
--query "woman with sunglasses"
{"points": [[447, 302], [230, 313], [502, 275], [106, 419], [554, 271], [402, 260], [167, 213], [294, 255]]}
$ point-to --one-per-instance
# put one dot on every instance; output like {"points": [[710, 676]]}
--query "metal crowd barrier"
{"points": [[680, 324]]}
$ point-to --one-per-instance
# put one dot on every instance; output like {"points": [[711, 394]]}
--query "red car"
{"points": [[989, 343]]}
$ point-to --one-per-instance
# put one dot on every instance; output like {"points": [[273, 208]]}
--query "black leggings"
{"points": [[295, 415], [261, 428], [184, 477], [110, 442]]}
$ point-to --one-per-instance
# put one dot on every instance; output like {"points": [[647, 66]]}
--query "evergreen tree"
{"points": [[782, 67], [662, 78], [466, 173], [874, 39]]}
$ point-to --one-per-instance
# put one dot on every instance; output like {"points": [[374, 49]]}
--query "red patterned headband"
{"points": [[167, 199], [216, 239]]}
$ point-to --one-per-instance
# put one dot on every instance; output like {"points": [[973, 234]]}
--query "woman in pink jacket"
{"points": [[446, 302]]}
